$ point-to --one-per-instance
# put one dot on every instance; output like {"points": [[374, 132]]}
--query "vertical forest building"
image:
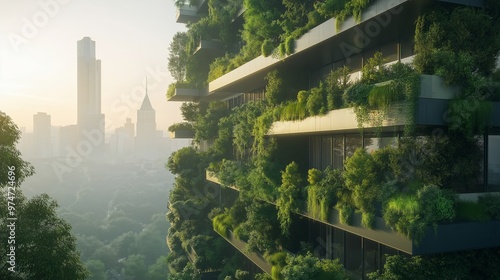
{"points": [[345, 139]]}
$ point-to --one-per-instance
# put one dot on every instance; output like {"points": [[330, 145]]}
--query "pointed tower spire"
{"points": [[146, 104]]}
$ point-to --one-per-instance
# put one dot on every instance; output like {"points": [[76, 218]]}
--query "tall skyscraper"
{"points": [[147, 137], [42, 135], [89, 118]]}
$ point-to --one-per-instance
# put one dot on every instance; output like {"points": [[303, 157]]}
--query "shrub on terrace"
{"points": [[180, 126], [308, 267], [321, 192], [411, 214], [289, 193]]}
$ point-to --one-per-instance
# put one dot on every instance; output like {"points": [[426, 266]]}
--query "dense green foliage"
{"points": [[322, 191], [289, 192], [405, 184], [10, 155], [411, 214], [479, 264], [43, 246], [180, 126], [308, 267], [456, 57]]}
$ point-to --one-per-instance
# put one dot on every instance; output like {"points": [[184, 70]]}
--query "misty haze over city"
{"points": [[249, 139]]}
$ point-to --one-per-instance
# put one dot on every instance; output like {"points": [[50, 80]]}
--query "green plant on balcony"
{"points": [[271, 27], [411, 214], [171, 88], [267, 47], [180, 126], [346, 212], [336, 82], [471, 211], [289, 193], [309, 267], [469, 116], [292, 110], [491, 205], [321, 192], [381, 88], [318, 100], [222, 224], [363, 178], [278, 261]]}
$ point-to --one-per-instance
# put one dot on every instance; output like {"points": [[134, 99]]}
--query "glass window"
{"points": [[371, 256], [319, 75], [338, 244], [373, 143], [390, 51], [354, 254], [338, 152], [355, 62], [352, 142], [326, 152], [493, 162], [315, 155], [406, 46]]}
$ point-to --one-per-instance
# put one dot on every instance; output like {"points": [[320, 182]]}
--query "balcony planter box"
{"points": [[432, 104], [187, 14], [209, 48], [447, 238], [185, 95], [182, 134]]}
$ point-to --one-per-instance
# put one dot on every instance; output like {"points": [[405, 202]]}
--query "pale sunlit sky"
{"points": [[38, 40]]}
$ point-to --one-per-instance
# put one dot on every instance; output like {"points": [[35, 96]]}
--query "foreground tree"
{"points": [[36, 243]]}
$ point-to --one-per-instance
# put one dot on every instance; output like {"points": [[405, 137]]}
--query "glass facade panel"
{"points": [[355, 62], [406, 47], [326, 152], [354, 254], [352, 142], [371, 255], [390, 51], [373, 143], [315, 152], [338, 152], [493, 162], [338, 244]]}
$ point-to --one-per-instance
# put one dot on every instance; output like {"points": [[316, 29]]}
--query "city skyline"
{"points": [[38, 69]]}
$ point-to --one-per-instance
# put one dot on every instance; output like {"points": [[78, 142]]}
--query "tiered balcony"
{"points": [[186, 14], [447, 237], [209, 49], [185, 95], [433, 102], [182, 134], [256, 258]]}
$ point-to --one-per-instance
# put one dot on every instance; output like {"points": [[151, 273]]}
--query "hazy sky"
{"points": [[38, 57]]}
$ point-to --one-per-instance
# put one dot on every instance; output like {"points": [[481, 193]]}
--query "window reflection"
{"points": [[371, 256], [494, 162]]}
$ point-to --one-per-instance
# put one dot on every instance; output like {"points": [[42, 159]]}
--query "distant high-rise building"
{"points": [[123, 140], [68, 139], [25, 144], [42, 135], [90, 120], [147, 137]]}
